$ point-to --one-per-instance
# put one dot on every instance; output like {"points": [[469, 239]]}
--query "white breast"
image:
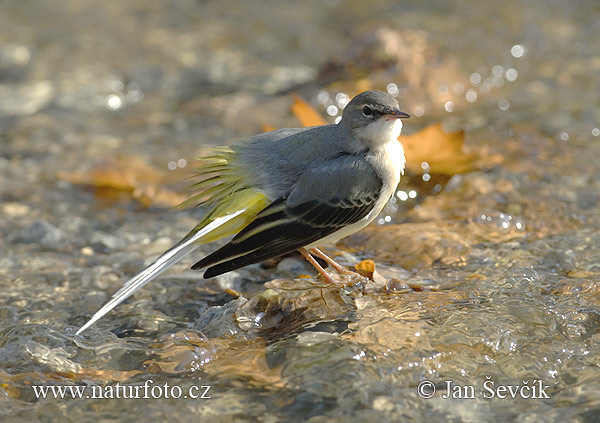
{"points": [[381, 131]]}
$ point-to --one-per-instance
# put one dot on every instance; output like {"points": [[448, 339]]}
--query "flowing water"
{"points": [[486, 284]]}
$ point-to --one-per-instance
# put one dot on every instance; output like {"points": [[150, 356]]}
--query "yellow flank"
{"points": [[250, 200], [223, 187]]}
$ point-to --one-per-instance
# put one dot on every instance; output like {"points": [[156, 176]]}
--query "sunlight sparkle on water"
{"points": [[332, 110], [458, 87], [114, 102], [511, 74], [503, 104], [518, 50], [471, 96], [402, 195], [475, 78], [418, 111], [392, 89], [342, 99]]}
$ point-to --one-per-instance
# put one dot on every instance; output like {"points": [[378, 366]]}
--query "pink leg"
{"points": [[317, 266], [338, 267]]}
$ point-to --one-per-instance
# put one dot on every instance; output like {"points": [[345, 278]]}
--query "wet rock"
{"points": [[106, 242], [219, 321], [19, 100], [14, 209], [41, 232]]}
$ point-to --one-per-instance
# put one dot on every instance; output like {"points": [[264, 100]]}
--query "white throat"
{"points": [[381, 131]]}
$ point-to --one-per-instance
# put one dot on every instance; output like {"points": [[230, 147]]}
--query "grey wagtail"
{"points": [[290, 189]]}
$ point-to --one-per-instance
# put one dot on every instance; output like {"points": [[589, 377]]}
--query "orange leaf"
{"points": [[443, 151], [366, 268], [128, 174], [306, 114], [267, 128]]}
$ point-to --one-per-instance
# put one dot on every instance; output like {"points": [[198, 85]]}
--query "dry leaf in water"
{"points": [[306, 114], [366, 268], [132, 175], [443, 151]]}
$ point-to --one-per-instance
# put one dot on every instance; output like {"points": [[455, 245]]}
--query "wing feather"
{"points": [[323, 201]]}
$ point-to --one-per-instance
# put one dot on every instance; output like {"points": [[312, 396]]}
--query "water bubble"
{"points": [[418, 111], [134, 93], [338, 119], [402, 195], [564, 136], [114, 85], [392, 89], [596, 132], [518, 50], [503, 104], [323, 97], [471, 96], [486, 86], [135, 96], [475, 78], [412, 193], [342, 99], [497, 81], [426, 177], [182, 163], [424, 166], [497, 70], [449, 106], [113, 102], [458, 87], [501, 220], [332, 110], [172, 165], [511, 74]]}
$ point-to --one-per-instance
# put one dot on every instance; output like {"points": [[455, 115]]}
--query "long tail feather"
{"points": [[161, 264]]}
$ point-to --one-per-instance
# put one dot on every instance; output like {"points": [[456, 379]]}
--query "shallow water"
{"points": [[487, 276]]}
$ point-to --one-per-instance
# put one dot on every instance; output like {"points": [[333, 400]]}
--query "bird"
{"points": [[290, 189]]}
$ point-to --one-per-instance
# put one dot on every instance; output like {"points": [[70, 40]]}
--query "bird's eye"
{"points": [[367, 111]]}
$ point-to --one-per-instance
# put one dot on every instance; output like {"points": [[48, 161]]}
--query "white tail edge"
{"points": [[166, 260]]}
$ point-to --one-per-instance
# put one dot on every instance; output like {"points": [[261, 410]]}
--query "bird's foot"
{"points": [[327, 277], [338, 267]]}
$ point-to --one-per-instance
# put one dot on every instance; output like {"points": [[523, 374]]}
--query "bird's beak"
{"points": [[397, 114]]}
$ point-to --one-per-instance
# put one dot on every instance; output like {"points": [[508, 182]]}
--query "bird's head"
{"points": [[374, 117]]}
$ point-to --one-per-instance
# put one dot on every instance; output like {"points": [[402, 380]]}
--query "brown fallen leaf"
{"points": [[132, 175], [366, 268], [267, 128], [306, 114], [443, 151]]}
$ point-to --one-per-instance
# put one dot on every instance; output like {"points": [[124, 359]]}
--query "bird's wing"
{"points": [[325, 199]]}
